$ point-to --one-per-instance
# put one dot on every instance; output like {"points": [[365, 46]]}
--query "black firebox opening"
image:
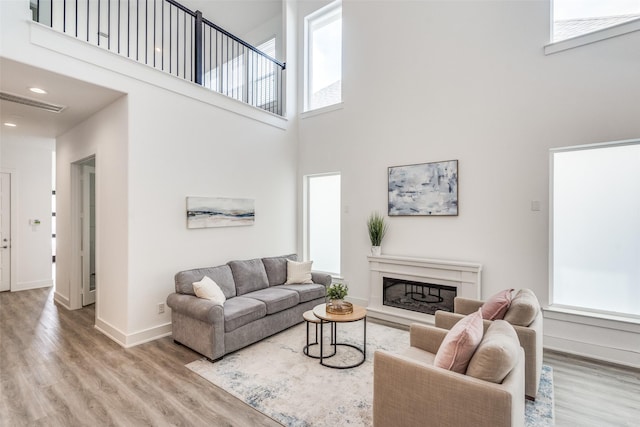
{"points": [[417, 296]]}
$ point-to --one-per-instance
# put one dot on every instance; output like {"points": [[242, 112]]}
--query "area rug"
{"points": [[277, 379]]}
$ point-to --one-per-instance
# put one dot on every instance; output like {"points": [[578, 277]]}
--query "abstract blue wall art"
{"points": [[424, 189], [205, 212]]}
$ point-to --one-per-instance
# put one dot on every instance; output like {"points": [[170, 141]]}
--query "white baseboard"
{"points": [[593, 351], [111, 331], [136, 338], [62, 300], [147, 335], [25, 286]]}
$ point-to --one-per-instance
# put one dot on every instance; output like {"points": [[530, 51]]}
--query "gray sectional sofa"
{"points": [[258, 304]]}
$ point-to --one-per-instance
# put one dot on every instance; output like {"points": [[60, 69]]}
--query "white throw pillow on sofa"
{"points": [[298, 272], [208, 289]]}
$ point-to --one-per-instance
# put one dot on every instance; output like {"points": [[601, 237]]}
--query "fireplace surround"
{"points": [[426, 276]]}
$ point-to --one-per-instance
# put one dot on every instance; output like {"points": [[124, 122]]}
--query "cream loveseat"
{"points": [[258, 304], [525, 316], [410, 391]]}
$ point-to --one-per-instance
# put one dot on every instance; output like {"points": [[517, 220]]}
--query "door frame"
{"points": [[12, 218], [87, 294], [75, 276]]}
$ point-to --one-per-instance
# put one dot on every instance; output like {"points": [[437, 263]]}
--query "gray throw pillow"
{"points": [[276, 268]]}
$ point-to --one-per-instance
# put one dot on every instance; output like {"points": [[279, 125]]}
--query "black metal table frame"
{"points": [[335, 344], [305, 349]]}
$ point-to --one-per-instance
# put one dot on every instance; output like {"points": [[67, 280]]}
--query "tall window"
{"points": [[595, 243], [323, 222], [323, 54], [576, 17]]}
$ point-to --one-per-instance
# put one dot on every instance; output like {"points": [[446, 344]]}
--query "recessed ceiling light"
{"points": [[38, 90], [9, 124], [158, 49]]}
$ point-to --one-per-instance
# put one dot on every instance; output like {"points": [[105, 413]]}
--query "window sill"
{"points": [[600, 319], [323, 110], [596, 36]]}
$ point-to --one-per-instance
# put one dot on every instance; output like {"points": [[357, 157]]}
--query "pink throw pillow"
{"points": [[460, 343], [497, 306]]}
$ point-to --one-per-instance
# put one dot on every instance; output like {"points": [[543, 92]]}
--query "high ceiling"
{"points": [[80, 99]]}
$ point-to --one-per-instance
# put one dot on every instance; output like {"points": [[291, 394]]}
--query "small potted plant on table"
{"points": [[335, 294]]}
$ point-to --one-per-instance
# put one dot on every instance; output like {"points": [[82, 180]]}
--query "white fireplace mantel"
{"points": [[464, 276]]}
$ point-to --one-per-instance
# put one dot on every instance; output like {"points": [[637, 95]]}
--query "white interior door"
{"points": [[88, 246], [5, 232]]}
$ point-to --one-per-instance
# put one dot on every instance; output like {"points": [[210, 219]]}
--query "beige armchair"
{"points": [[409, 391], [530, 339]]}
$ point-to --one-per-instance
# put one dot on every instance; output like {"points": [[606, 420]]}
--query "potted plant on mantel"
{"points": [[377, 229]]}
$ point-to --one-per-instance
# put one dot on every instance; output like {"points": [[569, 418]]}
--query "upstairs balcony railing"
{"points": [[166, 35]]}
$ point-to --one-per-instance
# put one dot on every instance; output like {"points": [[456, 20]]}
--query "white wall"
{"points": [[105, 136], [192, 149], [29, 160], [435, 80]]}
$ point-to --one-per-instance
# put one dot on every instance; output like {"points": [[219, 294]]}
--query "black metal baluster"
{"points": [[178, 42], [260, 101], [119, 26], [76, 17], [243, 75], [109, 24], [249, 63], [87, 20], [64, 16], [137, 30], [269, 86], [275, 88], [51, 14], [218, 71], [270, 95], [98, 22], [219, 63], [129, 29], [199, 64], [226, 66], [146, 31], [184, 46], [155, 21], [170, 36], [177, 49], [162, 52]]}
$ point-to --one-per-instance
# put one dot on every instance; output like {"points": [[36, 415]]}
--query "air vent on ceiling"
{"points": [[4, 96]]}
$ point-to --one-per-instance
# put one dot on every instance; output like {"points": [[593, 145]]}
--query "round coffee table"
{"points": [[359, 313]]}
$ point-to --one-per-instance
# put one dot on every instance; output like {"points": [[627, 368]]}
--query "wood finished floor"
{"points": [[57, 370]]}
